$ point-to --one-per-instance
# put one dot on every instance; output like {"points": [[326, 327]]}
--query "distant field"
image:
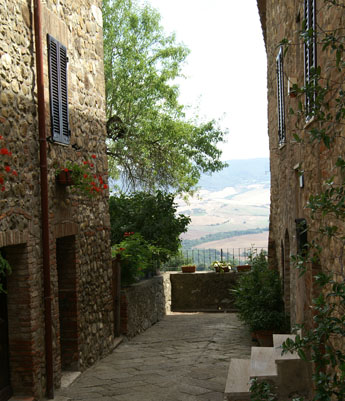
{"points": [[239, 202], [242, 241], [213, 224]]}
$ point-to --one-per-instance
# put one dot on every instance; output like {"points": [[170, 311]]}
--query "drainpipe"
{"points": [[44, 201]]}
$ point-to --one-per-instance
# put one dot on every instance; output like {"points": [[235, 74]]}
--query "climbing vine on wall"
{"points": [[321, 124]]}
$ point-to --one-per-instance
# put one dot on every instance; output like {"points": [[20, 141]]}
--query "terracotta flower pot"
{"points": [[265, 337], [65, 178], [222, 269], [188, 269], [243, 268]]}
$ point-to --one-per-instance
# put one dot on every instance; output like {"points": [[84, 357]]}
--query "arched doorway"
{"points": [[286, 272]]}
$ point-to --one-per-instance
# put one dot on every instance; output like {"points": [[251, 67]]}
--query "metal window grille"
{"points": [[310, 55], [57, 61], [280, 97]]}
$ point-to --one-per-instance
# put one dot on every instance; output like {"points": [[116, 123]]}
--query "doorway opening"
{"points": [[5, 384]]}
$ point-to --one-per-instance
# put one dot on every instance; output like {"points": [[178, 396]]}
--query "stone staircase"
{"points": [[287, 373]]}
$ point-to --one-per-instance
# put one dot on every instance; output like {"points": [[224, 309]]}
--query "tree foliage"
{"points": [[152, 215], [151, 144]]}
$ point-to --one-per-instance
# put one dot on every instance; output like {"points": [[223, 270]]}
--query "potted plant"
{"points": [[221, 267], [259, 300], [81, 176], [5, 269]]}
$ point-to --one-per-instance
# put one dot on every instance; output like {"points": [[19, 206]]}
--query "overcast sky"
{"points": [[226, 70]]}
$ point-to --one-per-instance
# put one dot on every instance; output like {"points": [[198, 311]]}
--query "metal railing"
{"points": [[203, 258]]}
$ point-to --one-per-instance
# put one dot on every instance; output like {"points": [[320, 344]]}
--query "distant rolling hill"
{"points": [[235, 199], [238, 173]]}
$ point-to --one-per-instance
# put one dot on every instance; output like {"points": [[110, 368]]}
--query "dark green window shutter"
{"points": [[57, 62]]}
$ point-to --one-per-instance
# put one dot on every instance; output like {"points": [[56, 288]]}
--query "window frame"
{"points": [[58, 91], [310, 55], [280, 97]]}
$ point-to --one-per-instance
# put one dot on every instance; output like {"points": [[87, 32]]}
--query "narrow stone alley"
{"points": [[184, 357]]}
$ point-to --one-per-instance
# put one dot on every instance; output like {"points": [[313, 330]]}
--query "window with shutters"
{"points": [[57, 61], [280, 97], [309, 55]]}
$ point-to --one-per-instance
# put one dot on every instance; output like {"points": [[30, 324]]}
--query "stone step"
{"points": [[278, 340], [262, 363], [287, 372], [237, 383]]}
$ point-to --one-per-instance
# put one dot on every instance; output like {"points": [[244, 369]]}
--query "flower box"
{"points": [[243, 268], [188, 269], [65, 178]]}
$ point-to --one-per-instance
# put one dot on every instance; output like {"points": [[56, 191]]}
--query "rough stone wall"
{"points": [[142, 305], [202, 292], [77, 24], [283, 19]]}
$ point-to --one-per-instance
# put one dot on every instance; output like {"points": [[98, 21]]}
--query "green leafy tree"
{"points": [[153, 216], [150, 142], [137, 257]]}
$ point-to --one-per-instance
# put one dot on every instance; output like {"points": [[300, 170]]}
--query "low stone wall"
{"points": [[202, 292], [145, 303], [142, 305]]}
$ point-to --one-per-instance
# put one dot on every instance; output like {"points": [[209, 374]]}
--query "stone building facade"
{"points": [[299, 167], [78, 226]]}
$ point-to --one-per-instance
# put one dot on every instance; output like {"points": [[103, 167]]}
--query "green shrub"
{"points": [[137, 257], [259, 297]]}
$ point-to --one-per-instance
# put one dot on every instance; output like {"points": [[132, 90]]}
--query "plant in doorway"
{"points": [[259, 300], [5, 269]]}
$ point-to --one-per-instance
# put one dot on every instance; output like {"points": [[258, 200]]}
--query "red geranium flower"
{"points": [[93, 156], [8, 169], [5, 151]]}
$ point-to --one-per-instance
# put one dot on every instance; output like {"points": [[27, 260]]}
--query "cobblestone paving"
{"points": [[184, 357]]}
